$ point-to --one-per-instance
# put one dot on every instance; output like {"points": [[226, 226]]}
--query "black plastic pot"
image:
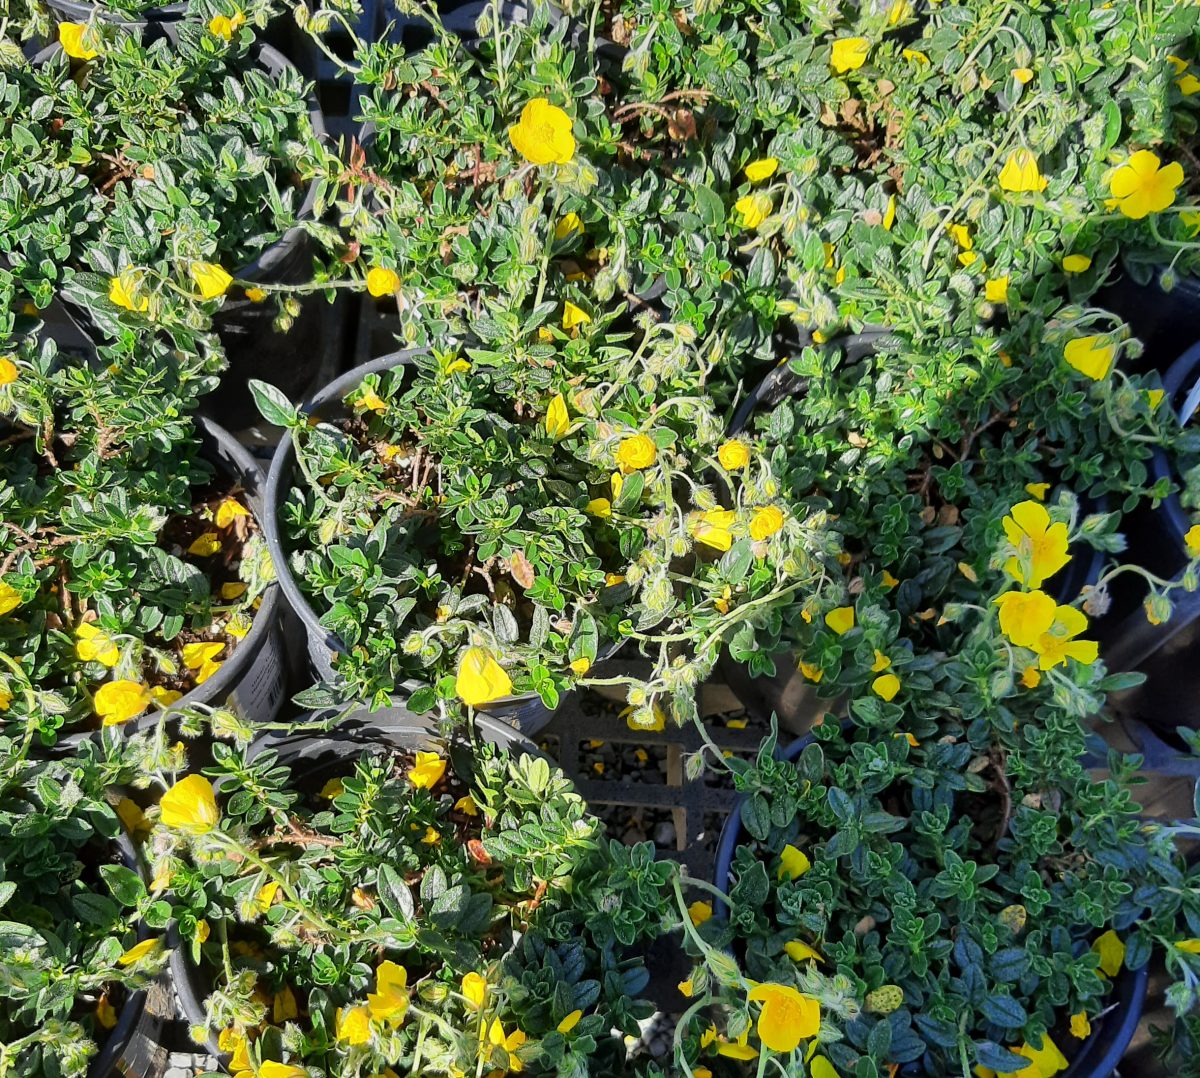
{"points": [[461, 19], [1111, 1034], [251, 681], [389, 729], [526, 712], [1165, 322]]}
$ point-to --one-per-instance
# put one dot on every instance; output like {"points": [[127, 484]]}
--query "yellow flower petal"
{"points": [[190, 805], [210, 278], [558, 422], [427, 770], [762, 169], [793, 863], [117, 702], [1021, 174], [206, 545], [70, 37], [733, 455], [1092, 356], [849, 54], [886, 686], [570, 1022], [787, 1017], [1076, 263], [636, 452], [841, 620], [480, 678], [543, 134], [382, 282], [699, 912], [996, 290], [1111, 950]]}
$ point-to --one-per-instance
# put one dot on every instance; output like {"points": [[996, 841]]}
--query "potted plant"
{"points": [[385, 899], [133, 575], [76, 957]]}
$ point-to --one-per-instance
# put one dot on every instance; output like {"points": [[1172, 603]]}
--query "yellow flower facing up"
{"points": [[849, 54], [574, 317], [881, 663], [889, 214], [787, 1016], [558, 422], [699, 912], [762, 169], [1143, 185], [1021, 174], [570, 1022], [767, 521], [1092, 356], [225, 26], [353, 1025], [1041, 544], [733, 455], [8, 371], [995, 290], [382, 282], [1110, 949], [427, 770], [1076, 264], [636, 452], [753, 209], [71, 38], [474, 989], [480, 678], [117, 702], [543, 134], [389, 1001], [1025, 616], [139, 951], [841, 620], [793, 863], [210, 278], [190, 806], [1037, 490], [886, 686], [1058, 643], [93, 644], [712, 528], [121, 292]]}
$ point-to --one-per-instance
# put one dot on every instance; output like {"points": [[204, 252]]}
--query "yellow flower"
{"points": [[1041, 546], [202, 932], [1031, 678], [95, 645], [8, 371], [6, 696], [1142, 185], [886, 686], [139, 951], [888, 581], [431, 837], [570, 1022], [813, 673], [211, 279], [738, 1049], [635, 453], [427, 770], [119, 701], [598, 507], [119, 292], [1020, 173], [568, 226], [766, 521], [754, 209], [1022, 74], [1025, 616], [228, 511], [841, 620], [712, 528], [206, 545], [455, 365], [543, 134], [266, 895], [996, 290], [733, 455], [1081, 1028], [480, 678], [962, 236], [106, 1015], [786, 1018], [1190, 946], [581, 665], [574, 316], [881, 663], [1188, 84], [232, 590], [255, 294], [474, 988], [799, 951], [353, 1025], [915, 55], [283, 1005], [901, 9], [1058, 643], [70, 37], [889, 215], [793, 863], [509, 1043], [849, 54], [699, 912], [389, 1001], [1037, 490], [369, 401], [1092, 356], [225, 26], [332, 788], [382, 282], [196, 655], [1111, 951], [558, 422], [1192, 539], [270, 1069], [762, 169], [1045, 1061], [190, 805], [1076, 263]]}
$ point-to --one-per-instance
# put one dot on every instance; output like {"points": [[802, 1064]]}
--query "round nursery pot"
{"points": [[1163, 321], [361, 731], [251, 681], [526, 711], [1099, 1055]]}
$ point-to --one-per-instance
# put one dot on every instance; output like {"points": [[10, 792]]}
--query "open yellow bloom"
{"points": [[225, 26], [120, 292], [197, 654], [754, 209], [474, 988], [886, 686], [119, 701], [1058, 643], [1031, 678], [543, 134], [766, 521], [786, 1018], [480, 678], [8, 371], [635, 453], [427, 770], [762, 169], [1021, 174], [190, 805], [793, 863], [389, 1001], [733, 454], [1045, 1060], [849, 54], [70, 37], [509, 1043], [712, 528], [382, 282], [210, 278], [573, 316], [558, 422], [139, 951], [353, 1025], [1025, 616], [93, 644], [840, 620], [995, 290], [1092, 356], [1022, 74], [1041, 545], [581, 665], [1142, 185]]}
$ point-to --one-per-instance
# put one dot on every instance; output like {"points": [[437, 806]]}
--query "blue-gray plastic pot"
{"points": [[1100, 1054]]}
